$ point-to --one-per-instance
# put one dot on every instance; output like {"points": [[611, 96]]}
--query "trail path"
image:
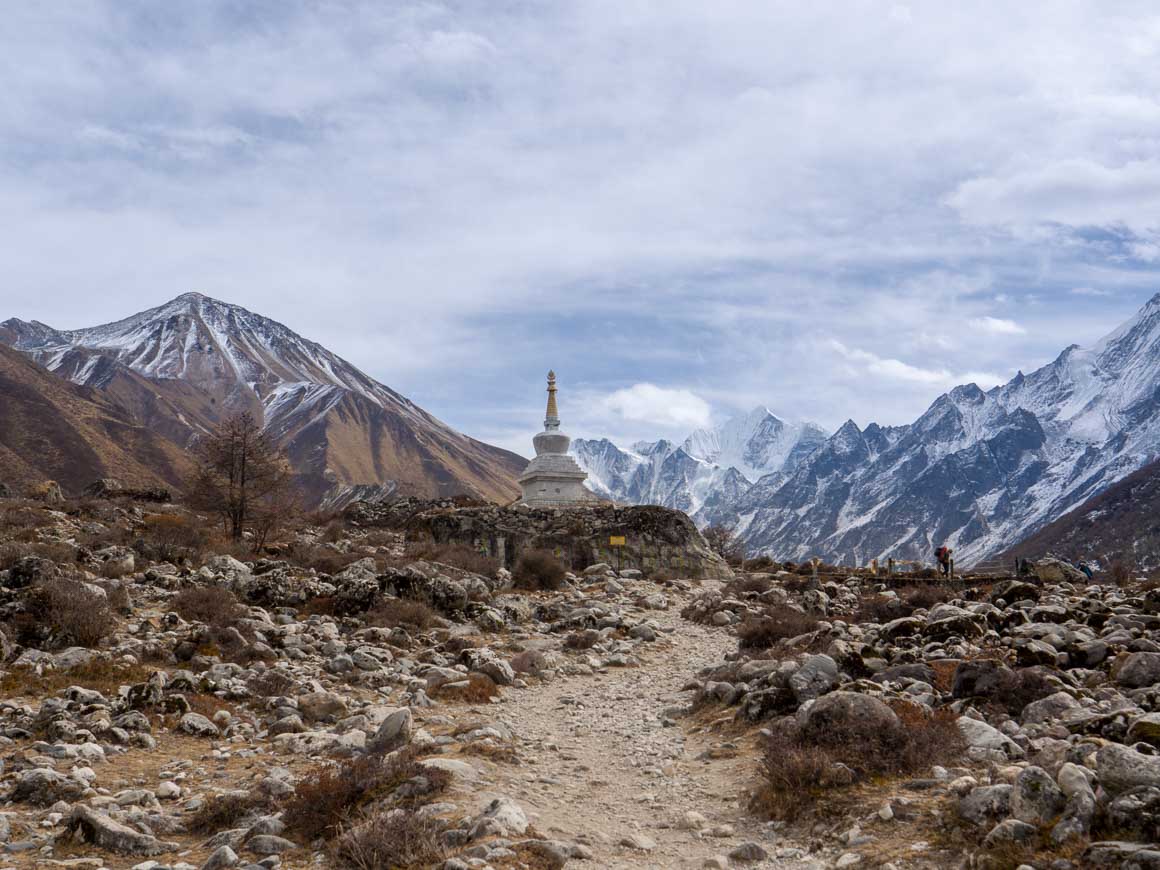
{"points": [[600, 765]]}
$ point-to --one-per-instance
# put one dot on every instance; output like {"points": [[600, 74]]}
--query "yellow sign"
{"points": [[617, 541]]}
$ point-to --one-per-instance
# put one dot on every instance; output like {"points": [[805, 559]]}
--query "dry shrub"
{"points": [[324, 560], [476, 689], [392, 612], [1121, 572], [538, 569], [398, 839], [798, 771], [12, 552], [74, 614], [761, 563], [925, 596], [778, 623], [172, 538], [212, 605], [330, 794], [746, 584], [22, 517], [320, 605], [101, 675], [456, 555], [795, 583], [221, 811]]}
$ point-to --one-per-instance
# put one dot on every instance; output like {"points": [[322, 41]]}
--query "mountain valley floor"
{"points": [[350, 698]]}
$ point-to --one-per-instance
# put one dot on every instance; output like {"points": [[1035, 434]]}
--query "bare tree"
{"points": [[242, 477], [724, 543]]}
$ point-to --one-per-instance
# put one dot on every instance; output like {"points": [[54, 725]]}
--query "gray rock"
{"points": [[42, 786], [89, 826], [503, 817], [839, 709], [1049, 708], [221, 858], [269, 844], [1121, 769], [817, 676], [1139, 670], [1036, 799], [980, 735], [985, 804], [1009, 831], [394, 732], [198, 726], [1119, 854], [748, 853]]}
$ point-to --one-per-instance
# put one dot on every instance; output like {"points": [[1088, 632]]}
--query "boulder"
{"points": [[1139, 670], [90, 826], [1049, 708], [1035, 798], [815, 678], [394, 732], [1051, 570], [1121, 769], [839, 711]]}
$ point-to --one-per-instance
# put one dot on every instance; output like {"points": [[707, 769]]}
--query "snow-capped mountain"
{"points": [[182, 365], [978, 471], [705, 474]]}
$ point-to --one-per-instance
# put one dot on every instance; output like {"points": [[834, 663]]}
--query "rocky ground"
{"points": [[349, 699]]}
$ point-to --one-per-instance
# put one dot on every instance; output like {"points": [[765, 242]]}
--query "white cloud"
{"points": [[894, 369], [661, 407], [1089, 291], [1077, 192], [995, 326]]}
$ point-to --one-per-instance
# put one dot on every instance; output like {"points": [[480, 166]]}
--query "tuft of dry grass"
{"points": [[779, 623], [73, 613], [398, 839], [101, 675], [330, 794], [392, 612], [476, 689], [212, 605], [175, 538], [222, 811], [799, 770], [538, 569], [456, 555]]}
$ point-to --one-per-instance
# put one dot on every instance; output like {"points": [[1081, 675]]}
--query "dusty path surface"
{"points": [[603, 765]]}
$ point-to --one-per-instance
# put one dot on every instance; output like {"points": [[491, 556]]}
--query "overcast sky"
{"points": [[687, 208]]}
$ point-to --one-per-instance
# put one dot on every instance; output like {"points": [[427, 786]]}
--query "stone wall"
{"points": [[656, 538]]}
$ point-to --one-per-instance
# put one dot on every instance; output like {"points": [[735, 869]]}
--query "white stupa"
{"points": [[553, 479]]}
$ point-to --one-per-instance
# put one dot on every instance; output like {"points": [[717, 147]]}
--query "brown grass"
{"points": [[223, 811], [392, 612], [799, 771], [212, 605], [330, 794], [538, 569], [175, 538], [101, 675], [778, 623], [479, 689], [399, 840], [457, 555], [73, 614]]}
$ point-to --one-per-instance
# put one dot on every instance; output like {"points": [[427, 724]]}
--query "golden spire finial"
{"points": [[553, 415]]}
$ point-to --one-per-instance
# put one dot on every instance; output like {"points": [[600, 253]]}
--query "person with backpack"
{"points": [[943, 555]]}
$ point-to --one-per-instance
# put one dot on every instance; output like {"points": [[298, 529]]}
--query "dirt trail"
{"points": [[600, 765]]}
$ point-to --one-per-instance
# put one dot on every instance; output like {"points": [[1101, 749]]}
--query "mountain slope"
{"points": [[184, 365], [1122, 523], [704, 475], [979, 470], [53, 430]]}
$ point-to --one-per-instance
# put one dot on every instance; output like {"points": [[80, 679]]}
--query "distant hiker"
{"points": [[1086, 568], [943, 554]]}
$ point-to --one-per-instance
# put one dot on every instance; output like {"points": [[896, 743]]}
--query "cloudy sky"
{"points": [[687, 208]]}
